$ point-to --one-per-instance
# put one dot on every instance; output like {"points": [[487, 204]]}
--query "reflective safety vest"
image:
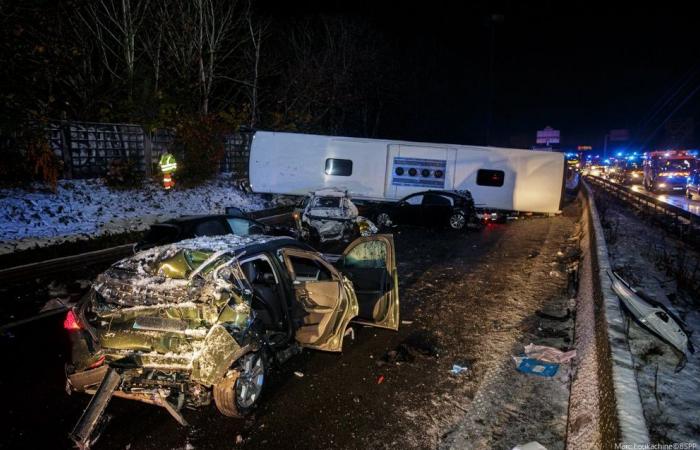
{"points": [[167, 163]]}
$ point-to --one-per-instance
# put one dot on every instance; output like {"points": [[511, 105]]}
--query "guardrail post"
{"points": [[67, 151], [147, 154]]}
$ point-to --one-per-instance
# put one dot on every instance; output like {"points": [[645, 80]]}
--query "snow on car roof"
{"points": [[227, 242]]}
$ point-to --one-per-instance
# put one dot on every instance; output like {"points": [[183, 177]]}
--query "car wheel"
{"points": [[383, 220], [457, 221], [239, 392]]}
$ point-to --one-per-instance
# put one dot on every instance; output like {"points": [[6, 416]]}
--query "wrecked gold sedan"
{"points": [[206, 318]]}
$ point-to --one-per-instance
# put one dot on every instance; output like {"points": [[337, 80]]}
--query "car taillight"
{"points": [[71, 322], [97, 363]]}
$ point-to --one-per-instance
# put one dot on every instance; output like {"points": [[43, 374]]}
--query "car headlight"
{"points": [[662, 185]]}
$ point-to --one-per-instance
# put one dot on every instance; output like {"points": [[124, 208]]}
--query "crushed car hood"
{"points": [[164, 275]]}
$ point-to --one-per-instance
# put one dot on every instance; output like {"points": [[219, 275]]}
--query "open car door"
{"points": [[370, 263], [319, 289]]}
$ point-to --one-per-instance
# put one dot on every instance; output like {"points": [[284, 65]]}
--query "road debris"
{"points": [[535, 367], [653, 316], [549, 354], [298, 374], [380, 379], [458, 369]]}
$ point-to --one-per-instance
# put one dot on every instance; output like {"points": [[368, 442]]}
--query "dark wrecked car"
{"points": [[429, 209], [179, 325], [187, 227]]}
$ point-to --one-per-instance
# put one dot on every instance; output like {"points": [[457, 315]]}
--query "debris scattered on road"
{"points": [[380, 380], [298, 374], [239, 439], [533, 254], [458, 369], [406, 322], [534, 445], [549, 354], [535, 367], [653, 316]]}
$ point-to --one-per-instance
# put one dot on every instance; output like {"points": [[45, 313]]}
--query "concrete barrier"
{"points": [[605, 408]]}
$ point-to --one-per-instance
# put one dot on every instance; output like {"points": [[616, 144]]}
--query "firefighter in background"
{"points": [[168, 167]]}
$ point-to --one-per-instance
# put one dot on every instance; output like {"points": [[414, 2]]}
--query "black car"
{"points": [[431, 209], [187, 227]]}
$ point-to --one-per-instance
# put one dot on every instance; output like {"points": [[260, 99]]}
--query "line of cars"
{"points": [[208, 304], [658, 172]]}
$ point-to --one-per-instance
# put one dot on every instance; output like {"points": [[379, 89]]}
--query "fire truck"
{"points": [[667, 171]]}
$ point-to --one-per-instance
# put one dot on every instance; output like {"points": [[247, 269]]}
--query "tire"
{"points": [[383, 220], [239, 392], [458, 221]]}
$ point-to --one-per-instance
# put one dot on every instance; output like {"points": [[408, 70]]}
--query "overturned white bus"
{"points": [[386, 170]]}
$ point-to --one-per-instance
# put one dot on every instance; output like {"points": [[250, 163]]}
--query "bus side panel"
{"points": [[414, 168], [472, 159], [295, 164], [539, 184], [286, 163]]}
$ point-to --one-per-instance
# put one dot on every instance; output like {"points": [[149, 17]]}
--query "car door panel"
{"points": [[328, 304], [370, 263], [408, 211], [436, 209]]}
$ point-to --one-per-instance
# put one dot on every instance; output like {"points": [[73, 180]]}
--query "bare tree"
{"points": [[152, 42], [201, 36], [116, 24], [257, 31]]}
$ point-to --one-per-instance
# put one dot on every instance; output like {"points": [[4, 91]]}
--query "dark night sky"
{"points": [[581, 67]]}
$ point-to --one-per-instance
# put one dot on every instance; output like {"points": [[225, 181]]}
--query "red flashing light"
{"points": [[71, 322]]}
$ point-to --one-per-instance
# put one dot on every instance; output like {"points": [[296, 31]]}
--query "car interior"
{"points": [[244, 227], [267, 295], [309, 270]]}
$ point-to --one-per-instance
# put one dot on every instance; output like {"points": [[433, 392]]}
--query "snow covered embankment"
{"points": [[83, 209]]}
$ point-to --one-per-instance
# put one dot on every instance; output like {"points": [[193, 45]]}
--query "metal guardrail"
{"points": [[677, 220], [108, 255]]}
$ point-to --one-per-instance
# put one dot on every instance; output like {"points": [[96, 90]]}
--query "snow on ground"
{"points": [[671, 400], [82, 209]]}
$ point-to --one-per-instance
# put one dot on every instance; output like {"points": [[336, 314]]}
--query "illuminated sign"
{"points": [[548, 136]]}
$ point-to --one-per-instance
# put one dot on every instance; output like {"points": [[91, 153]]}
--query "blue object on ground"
{"points": [[536, 367], [457, 369]]}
